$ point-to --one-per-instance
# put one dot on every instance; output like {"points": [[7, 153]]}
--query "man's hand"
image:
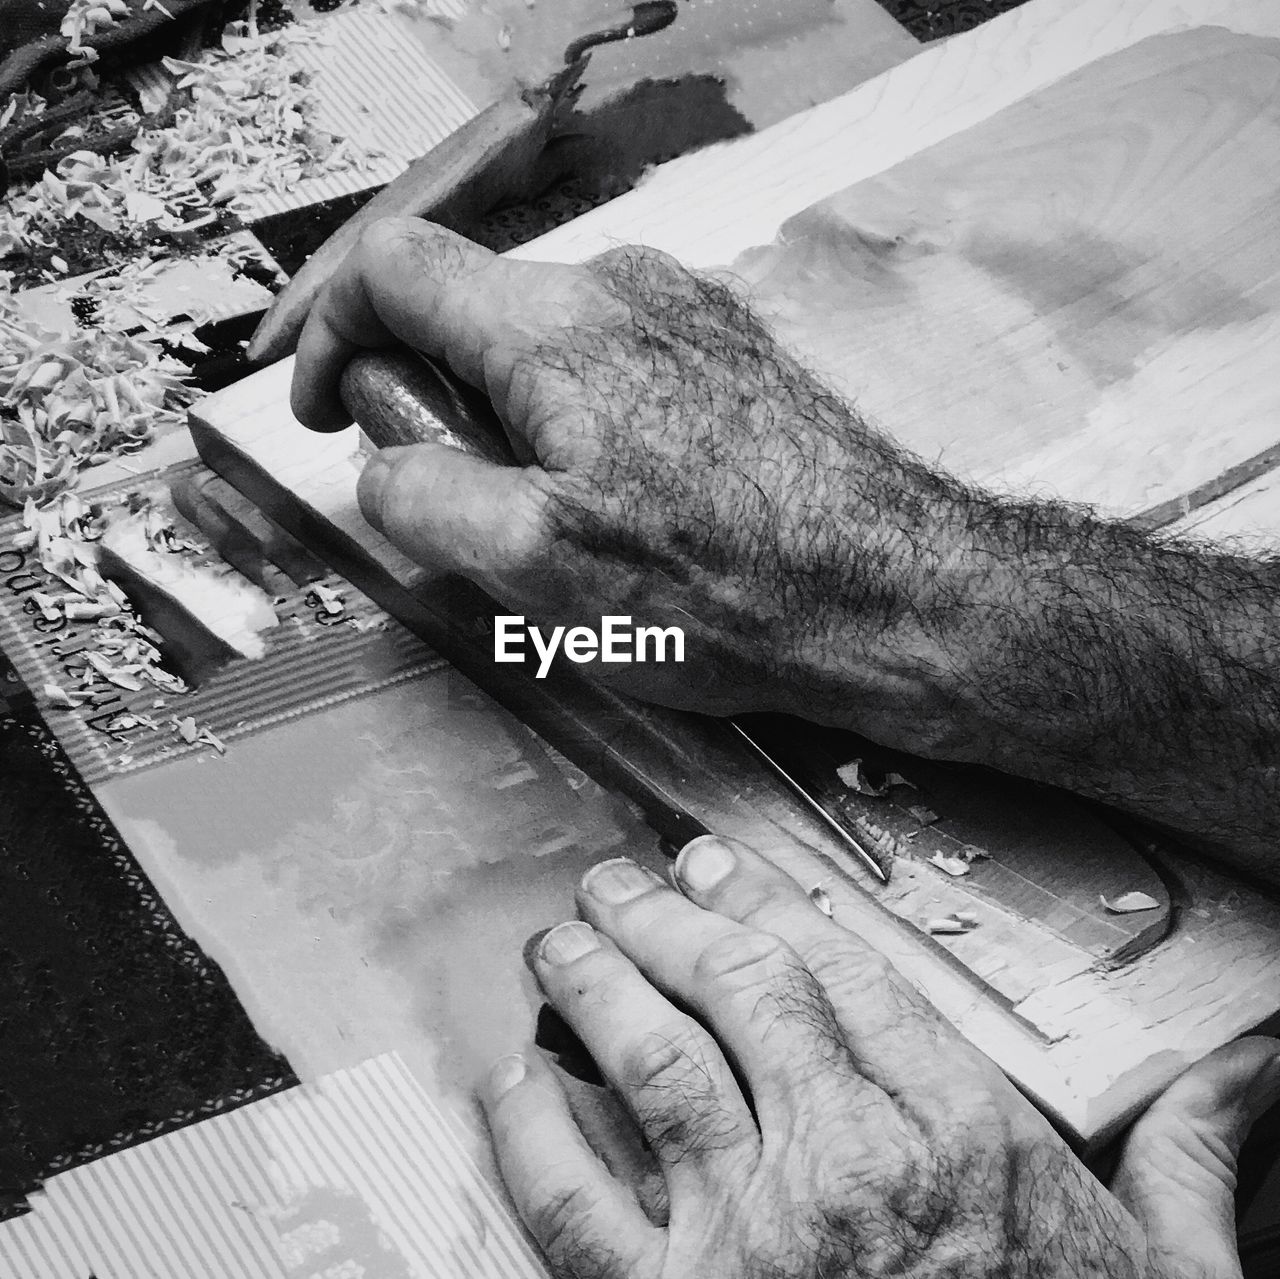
{"points": [[814, 1118], [680, 468], [676, 465]]}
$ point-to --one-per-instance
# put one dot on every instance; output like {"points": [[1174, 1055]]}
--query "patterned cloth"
{"points": [[113, 1025]]}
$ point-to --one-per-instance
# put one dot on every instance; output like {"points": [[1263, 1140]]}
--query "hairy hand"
{"points": [[678, 468], [814, 1118]]}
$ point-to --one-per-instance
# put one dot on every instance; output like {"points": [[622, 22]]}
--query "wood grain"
{"points": [[1060, 301]]}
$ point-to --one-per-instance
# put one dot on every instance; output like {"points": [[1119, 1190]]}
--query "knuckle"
{"points": [[385, 235], [527, 533], [745, 960], [560, 1221], [675, 1058], [762, 898], [627, 255], [856, 965], [634, 262], [848, 971], [675, 1082]]}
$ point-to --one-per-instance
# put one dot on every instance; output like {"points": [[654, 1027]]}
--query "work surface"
{"points": [[1035, 239], [490, 793], [353, 916]]}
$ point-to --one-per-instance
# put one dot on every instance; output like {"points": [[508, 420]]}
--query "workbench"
{"points": [[365, 873]]}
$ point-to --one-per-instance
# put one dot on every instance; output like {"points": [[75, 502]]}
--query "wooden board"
{"points": [[1091, 1045], [1058, 299]]}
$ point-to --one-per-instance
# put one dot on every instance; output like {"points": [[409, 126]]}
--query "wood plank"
{"points": [[1091, 1044], [1059, 300], [708, 208]]}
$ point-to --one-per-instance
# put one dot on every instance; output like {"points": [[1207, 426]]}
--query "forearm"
{"points": [[682, 468], [1051, 644]]}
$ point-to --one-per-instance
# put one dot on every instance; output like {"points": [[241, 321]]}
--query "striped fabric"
{"points": [[357, 1176]]}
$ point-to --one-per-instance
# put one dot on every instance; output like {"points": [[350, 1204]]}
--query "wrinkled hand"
{"points": [[814, 1118], [678, 466]]}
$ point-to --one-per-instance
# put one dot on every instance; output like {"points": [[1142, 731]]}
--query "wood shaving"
{"points": [[87, 18], [197, 734], [56, 695], [957, 922], [70, 400], [121, 651], [853, 776], [328, 599], [954, 866], [248, 127], [822, 900], [1129, 903]]}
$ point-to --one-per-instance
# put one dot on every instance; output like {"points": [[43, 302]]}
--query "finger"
{"points": [[451, 511], [750, 987], [586, 1222], [388, 288], [412, 282], [663, 1065], [1177, 1174], [895, 1036]]}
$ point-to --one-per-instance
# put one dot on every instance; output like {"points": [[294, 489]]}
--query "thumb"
{"points": [[452, 511], [1177, 1173]]}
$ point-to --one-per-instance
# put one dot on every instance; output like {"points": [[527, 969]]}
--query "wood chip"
{"points": [[1129, 903], [957, 922], [852, 776], [329, 599], [954, 866], [58, 696]]}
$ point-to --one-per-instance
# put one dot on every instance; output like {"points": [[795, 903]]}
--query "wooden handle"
{"points": [[399, 397]]}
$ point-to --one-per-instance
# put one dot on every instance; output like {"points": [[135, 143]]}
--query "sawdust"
{"points": [[246, 127]]}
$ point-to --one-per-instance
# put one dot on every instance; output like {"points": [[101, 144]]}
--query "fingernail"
{"points": [[505, 1073], [533, 947], [567, 942], [617, 881], [704, 863], [372, 481]]}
